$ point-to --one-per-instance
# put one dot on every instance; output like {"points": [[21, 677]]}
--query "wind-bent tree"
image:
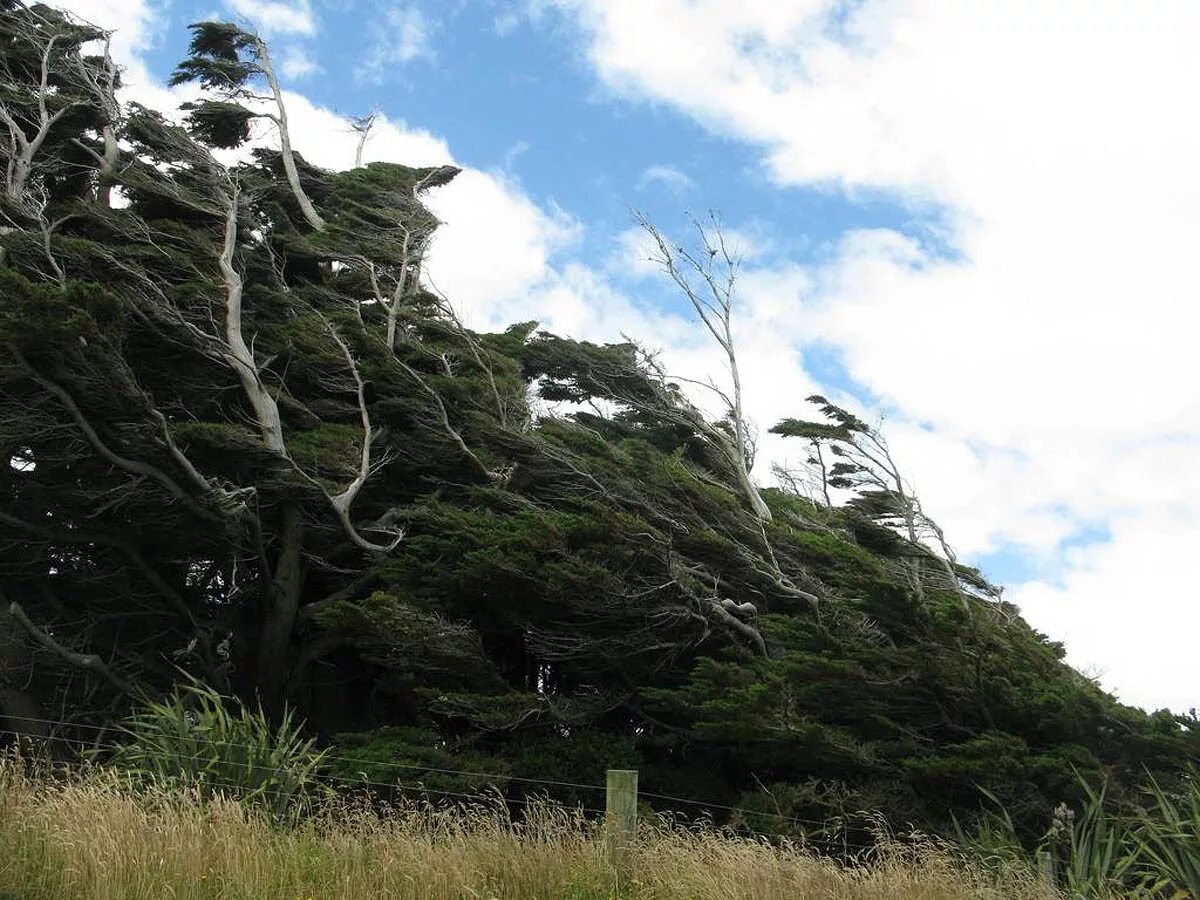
{"points": [[235, 65], [51, 90], [204, 265], [864, 464], [54, 100], [252, 415]]}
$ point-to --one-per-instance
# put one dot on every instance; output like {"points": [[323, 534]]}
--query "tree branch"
{"points": [[133, 466], [342, 501], [87, 661]]}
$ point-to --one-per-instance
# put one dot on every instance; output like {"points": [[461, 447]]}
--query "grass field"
{"points": [[87, 838]]}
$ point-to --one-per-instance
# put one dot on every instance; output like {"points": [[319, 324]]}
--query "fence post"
{"points": [[1046, 869], [620, 822]]}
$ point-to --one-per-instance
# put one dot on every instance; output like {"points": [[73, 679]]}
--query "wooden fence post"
{"points": [[1046, 869], [620, 823]]}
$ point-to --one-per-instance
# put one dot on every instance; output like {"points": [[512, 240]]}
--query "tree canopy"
{"points": [[241, 442]]}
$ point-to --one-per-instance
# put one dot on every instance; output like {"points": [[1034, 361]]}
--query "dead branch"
{"points": [[342, 501], [714, 305]]}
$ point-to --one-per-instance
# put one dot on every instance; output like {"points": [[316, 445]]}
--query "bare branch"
{"points": [[87, 661], [342, 501], [362, 126], [716, 314]]}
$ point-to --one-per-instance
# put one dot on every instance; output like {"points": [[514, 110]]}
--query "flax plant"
{"points": [[198, 739]]}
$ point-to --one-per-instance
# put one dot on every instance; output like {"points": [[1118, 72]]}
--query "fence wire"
{"points": [[702, 805]]}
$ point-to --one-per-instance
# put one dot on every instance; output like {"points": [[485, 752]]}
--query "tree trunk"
{"points": [[280, 618], [19, 174], [20, 712], [285, 142], [108, 168], [240, 355], [757, 505], [398, 294]]}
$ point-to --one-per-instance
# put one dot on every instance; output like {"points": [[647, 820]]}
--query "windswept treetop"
{"points": [[233, 65]]}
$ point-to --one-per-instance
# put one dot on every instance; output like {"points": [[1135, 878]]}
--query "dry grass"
{"points": [[89, 838]]}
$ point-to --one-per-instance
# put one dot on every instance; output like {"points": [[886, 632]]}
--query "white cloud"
{"points": [[325, 138], [277, 17], [632, 258], [520, 148], [135, 22], [298, 62], [403, 36], [675, 181], [1110, 601], [505, 22], [495, 246], [1053, 356]]}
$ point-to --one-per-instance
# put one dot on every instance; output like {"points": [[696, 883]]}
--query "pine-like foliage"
{"points": [[236, 443]]}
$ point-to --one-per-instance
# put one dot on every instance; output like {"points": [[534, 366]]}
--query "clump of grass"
{"points": [[91, 836]]}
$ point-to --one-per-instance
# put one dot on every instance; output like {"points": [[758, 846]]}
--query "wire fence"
{"points": [[333, 758], [704, 806]]}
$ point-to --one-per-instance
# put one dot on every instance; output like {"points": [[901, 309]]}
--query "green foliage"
{"points": [[1095, 859], [218, 123], [414, 762], [216, 59], [573, 756], [34, 313], [195, 738], [844, 564], [1167, 836]]}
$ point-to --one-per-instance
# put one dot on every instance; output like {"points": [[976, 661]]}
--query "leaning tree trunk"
{"points": [[279, 621], [285, 142]]}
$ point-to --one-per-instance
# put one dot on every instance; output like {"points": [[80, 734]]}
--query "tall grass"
{"points": [[92, 836]]}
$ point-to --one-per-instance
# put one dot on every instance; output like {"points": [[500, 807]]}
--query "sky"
{"points": [[976, 220]]}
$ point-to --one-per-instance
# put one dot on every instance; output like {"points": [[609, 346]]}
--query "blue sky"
{"points": [[963, 218]]}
